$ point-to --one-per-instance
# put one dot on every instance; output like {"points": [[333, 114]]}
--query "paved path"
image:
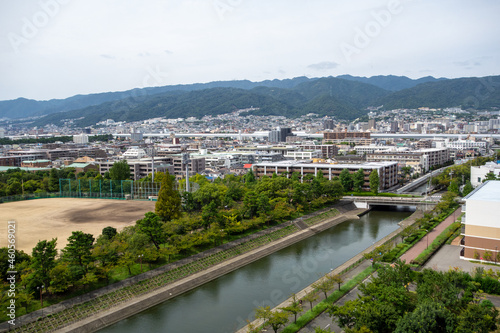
{"points": [[430, 237], [324, 320]]}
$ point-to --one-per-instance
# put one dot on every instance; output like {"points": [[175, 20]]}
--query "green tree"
{"points": [[263, 204], [14, 187], [53, 180], [346, 179], [120, 170], [263, 312], [490, 176], [209, 214], [277, 319], [78, 251], [250, 177], [480, 318], [358, 179], [431, 317], [337, 278], [294, 308], [44, 259], [325, 284], [405, 172], [168, 206], [311, 297], [109, 232], [127, 260], [374, 181], [151, 226], [453, 187], [407, 232], [251, 204], [467, 188], [60, 278]]}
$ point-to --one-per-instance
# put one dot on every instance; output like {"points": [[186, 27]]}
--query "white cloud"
{"points": [[255, 40]]}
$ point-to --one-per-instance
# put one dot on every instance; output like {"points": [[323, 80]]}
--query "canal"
{"points": [[223, 305]]}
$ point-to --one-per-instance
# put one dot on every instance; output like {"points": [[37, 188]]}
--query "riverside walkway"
{"points": [[324, 320], [430, 237], [111, 304]]}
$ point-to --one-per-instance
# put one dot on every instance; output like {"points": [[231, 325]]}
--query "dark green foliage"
{"points": [[444, 302], [20, 257], [453, 187], [429, 317], [7, 141], [467, 188], [216, 213], [346, 180], [109, 232], [446, 93], [250, 177], [374, 181], [43, 260], [168, 206], [78, 252], [358, 179], [152, 227], [120, 171]]}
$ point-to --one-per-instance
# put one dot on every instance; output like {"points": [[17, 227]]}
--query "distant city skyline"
{"points": [[60, 48]]}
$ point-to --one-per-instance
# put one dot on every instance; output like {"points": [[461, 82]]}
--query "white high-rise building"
{"points": [[82, 138]]}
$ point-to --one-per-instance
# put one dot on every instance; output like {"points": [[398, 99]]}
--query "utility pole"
{"points": [[153, 164], [186, 161]]}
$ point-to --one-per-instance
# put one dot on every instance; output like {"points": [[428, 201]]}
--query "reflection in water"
{"points": [[224, 304]]}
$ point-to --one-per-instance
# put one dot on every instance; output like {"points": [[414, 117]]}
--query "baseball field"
{"points": [[41, 219]]}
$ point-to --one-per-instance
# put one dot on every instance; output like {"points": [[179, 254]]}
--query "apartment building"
{"points": [[327, 151], [387, 171], [478, 173], [481, 227], [140, 168], [420, 160]]}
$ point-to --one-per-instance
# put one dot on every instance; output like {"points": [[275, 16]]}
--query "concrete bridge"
{"points": [[424, 203]]}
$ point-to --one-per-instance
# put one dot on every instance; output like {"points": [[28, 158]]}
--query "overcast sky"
{"points": [[60, 48]]}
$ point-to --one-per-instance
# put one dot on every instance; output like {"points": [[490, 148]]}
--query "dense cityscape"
{"points": [[233, 166]]}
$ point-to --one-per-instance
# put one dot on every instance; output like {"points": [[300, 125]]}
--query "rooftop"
{"points": [[488, 191]]}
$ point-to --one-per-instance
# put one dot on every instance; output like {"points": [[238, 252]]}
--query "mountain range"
{"points": [[344, 97]]}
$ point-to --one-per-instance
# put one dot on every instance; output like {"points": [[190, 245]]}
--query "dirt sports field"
{"points": [[50, 218]]}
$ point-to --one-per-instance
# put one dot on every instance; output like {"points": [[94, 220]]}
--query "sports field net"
{"points": [[113, 189]]}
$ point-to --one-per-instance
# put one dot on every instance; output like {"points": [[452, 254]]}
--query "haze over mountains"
{"points": [[344, 97]]}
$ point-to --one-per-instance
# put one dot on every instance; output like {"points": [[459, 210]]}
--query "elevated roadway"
{"points": [[419, 181]]}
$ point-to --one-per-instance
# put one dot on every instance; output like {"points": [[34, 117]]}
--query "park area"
{"points": [[57, 218]]}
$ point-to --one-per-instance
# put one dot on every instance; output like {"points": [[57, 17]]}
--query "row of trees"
{"points": [[17, 181], [398, 299], [355, 181], [180, 226], [442, 302]]}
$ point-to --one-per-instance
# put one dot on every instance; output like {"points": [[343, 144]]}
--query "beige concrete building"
{"points": [[482, 227], [387, 171]]}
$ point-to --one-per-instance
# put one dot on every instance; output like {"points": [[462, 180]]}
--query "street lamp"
{"points": [[140, 259], [41, 298]]}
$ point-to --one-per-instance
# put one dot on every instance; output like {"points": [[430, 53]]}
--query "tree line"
{"points": [[182, 224]]}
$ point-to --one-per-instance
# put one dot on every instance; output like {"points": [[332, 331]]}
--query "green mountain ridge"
{"points": [[478, 93], [330, 96], [325, 96]]}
